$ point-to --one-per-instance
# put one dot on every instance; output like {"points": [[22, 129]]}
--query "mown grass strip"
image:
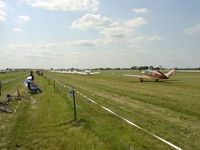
{"points": [[179, 125], [46, 122], [124, 119]]}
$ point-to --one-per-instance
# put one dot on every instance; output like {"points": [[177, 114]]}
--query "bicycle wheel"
{"points": [[7, 109]]}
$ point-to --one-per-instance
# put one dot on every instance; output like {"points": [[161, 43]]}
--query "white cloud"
{"points": [[140, 52], [134, 46], [140, 10], [24, 18], [95, 42], [87, 42], [155, 38], [24, 54], [19, 46], [91, 21], [139, 38], [193, 30], [108, 58], [113, 31], [2, 12], [2, 4], [2, 15], [17, 30], [135, 22], [147, 38], [48, 46], [99, 22], [116, 32], [31, 46], [64, 5]]}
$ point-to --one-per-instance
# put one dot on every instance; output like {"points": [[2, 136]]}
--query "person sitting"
{"points": [[31, 74], [34, 87], [31, 86], [28, 79]]}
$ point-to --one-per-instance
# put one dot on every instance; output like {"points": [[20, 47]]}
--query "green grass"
{"points": [[169, 109]]}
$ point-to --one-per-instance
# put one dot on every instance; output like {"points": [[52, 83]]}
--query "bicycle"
{"points": [[6, 108]]}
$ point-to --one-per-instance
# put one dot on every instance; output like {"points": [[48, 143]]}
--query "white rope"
{"points": [[126, 120]]}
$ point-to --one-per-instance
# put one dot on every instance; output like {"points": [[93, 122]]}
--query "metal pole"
{"points": [[74, 104]]}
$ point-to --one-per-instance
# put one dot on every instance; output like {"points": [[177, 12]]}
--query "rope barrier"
{"points": [[124, 119]]}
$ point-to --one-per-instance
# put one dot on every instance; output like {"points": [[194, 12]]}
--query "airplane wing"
{"points": [[94, 72], [162, 73], [134, 76]]}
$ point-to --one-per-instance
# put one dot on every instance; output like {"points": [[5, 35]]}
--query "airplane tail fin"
{"points": [[170, 73]]}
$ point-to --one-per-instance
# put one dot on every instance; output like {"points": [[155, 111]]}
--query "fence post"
{"points": [[18, 94], [0, 86], [71, 93], [54, 85], [74, 104], [48, 80]]}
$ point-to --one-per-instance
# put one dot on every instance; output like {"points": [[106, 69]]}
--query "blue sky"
{"points": [[99, 33]]}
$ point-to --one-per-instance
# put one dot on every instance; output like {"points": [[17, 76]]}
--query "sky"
{"points": [[99, 33]]}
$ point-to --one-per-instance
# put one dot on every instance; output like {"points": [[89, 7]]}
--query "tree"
{"points": [[134, 68], [151, 67]]}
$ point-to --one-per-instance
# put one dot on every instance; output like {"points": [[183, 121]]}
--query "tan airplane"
{"points": [[152, 75]]}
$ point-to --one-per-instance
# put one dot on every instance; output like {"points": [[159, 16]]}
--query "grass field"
{"points": [[169, 109]]}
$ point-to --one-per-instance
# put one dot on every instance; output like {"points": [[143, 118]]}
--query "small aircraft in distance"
{"points": [[152, 74], [88, 72]]}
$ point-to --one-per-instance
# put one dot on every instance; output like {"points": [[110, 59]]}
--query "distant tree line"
{"points": [[146, 68], [106, 68], [131, 68], [189, 68]]}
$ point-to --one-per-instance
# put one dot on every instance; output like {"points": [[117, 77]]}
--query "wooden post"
{"points": [[54, 85], [71, 93], [18, 94], [0, 87], [48, 80], [74, 104]]}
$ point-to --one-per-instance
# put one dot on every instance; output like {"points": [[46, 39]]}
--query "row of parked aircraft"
{"points": [[86, 72], [144, 75]]}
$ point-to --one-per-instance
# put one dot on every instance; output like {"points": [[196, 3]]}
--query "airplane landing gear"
{"points": [[141, 80], [157, 80]]}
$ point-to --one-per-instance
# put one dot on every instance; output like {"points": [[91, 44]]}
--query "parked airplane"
{"points": [[88, 72], [152, 74]]}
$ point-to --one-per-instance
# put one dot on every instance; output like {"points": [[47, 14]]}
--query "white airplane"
{"points": [[88, 72]]}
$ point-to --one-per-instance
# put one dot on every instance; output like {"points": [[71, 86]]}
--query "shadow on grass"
{"points": [[153, 81]]}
